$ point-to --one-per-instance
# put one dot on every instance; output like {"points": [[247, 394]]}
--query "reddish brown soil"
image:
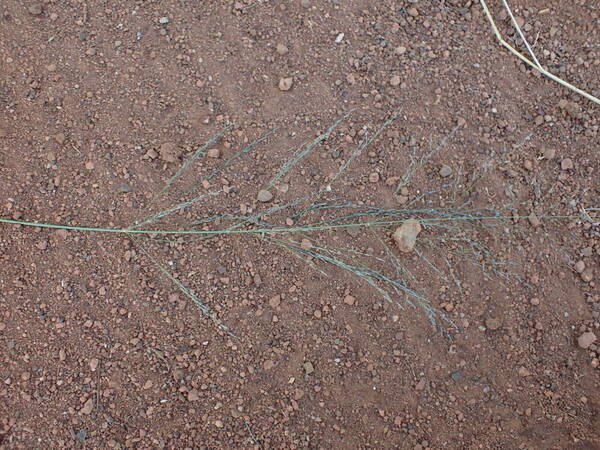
{"points": [[98, 348]]}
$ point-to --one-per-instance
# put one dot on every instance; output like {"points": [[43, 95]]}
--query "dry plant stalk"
{"points": [[534, 64]]}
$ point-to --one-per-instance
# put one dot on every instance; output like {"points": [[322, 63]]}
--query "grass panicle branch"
{"points": [[201, 151], [415, 165], [303, 151]]}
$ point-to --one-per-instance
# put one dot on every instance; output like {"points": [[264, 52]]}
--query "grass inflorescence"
{"points": [[322, 212]]}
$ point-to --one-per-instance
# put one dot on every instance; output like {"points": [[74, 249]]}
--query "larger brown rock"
{"points": [[405, 236]]}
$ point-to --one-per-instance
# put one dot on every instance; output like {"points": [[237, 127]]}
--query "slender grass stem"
{"points": [[279, 230]]}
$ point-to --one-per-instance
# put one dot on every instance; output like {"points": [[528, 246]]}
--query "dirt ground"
{"points": [[102, 101]]}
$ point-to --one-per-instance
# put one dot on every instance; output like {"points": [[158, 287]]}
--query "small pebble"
{"points": [[274, 302], [445, 171], [285, 84], [579, 266], [349, 300], [35, 9], [395, 81], [305, 244], [566, 164], [353, 231], [264, 196], [534, 220], [193, 395], [88, 407], [169, 152], [493, 324], [549, 153], [402, 199], [213, 153], [520, 21], [308, 368], [586, 339], [283, 187], [281, 49], [587, 275], [374, 177], [163, 20], [268, 364], [421, 384], [151, 154]]}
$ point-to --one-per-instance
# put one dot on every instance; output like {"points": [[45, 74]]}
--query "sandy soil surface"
{"points": [[103, 101]]}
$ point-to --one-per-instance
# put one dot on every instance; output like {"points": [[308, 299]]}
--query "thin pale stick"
{"points": [[531, 63], [518, 28]]}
